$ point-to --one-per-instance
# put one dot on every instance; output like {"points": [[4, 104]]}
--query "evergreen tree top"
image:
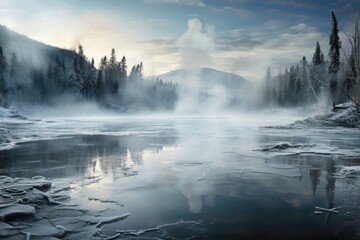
{"points": [[335, 45], [318, 57]]}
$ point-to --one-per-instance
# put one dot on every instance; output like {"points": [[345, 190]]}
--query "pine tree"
{"points": [[123, 73], [140, 71], [318, 57], [3, 68], [14, 76], [334, 42], [112, 74], [334, 54], [318, 73], [304, 72], [132, 75], [81, 51], [92, 63], [82, 61], [268, 86], [103, 63], [112, 60], [14, 67], [100, 86], [39, 84], [304, 75], [292, 85]]}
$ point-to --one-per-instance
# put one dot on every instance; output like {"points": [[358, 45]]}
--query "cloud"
{"points": [[304, 4], [160, 46], [246, 51], [240, 12], [149, 21], [236, 40], [300, 37], [300, 29], [194, 3], [249, 51]]}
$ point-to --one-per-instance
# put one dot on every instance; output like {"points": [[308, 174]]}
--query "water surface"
{"points": [[200, 178]]}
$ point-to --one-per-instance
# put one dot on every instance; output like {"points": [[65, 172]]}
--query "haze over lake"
{"points": [[168, 119]]}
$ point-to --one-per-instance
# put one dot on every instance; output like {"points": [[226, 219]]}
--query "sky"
{"points": [[237, 36]]}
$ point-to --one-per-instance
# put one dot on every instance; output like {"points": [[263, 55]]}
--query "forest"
{"points": [[36, 73], [45, 75], [214, 145], [319, 80]]}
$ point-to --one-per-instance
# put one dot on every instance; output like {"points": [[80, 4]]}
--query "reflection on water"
{"points": [[314, 174], [205, 171], [78, 155], [330, 188]]}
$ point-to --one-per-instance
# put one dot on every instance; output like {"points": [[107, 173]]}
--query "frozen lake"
{"points": [[195, 177]]}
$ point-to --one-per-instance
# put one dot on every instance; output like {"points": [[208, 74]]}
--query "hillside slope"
{"points": [[32, 51], [204, 78]]}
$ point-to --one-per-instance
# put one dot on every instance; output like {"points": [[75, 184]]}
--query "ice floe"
{"points": [[26, 202], [285, 145]]}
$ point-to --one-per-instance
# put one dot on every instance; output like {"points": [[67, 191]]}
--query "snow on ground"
{"points": [[24, 202], [349, 117], [15, 128], [5, 137], [9, 117]]}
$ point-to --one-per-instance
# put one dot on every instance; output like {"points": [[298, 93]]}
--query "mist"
{"points": [[46, 79], [50, 78], [246, 128]]}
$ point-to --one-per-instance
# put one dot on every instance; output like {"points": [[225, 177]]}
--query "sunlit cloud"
{"points": [[196, 3], [240, 12], [150, 21], [242, 37]]}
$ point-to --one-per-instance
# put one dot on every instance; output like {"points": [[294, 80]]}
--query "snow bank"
{"points": [[8, 114], [349, 117], [285, 145], [5, 136], [349, 171], [9, 117]]}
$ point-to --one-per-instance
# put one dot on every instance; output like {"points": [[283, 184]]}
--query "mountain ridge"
{"points": [[204, 77], [32, 50]]}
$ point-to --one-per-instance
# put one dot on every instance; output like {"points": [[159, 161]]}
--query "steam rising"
{"points": [[197, 94], [196, 46]]}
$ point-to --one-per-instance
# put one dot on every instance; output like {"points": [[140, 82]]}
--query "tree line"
{"points": [[328, 81], [109, 85]]}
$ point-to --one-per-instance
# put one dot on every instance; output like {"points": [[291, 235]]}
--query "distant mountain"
{"points": [[204, 78]]}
